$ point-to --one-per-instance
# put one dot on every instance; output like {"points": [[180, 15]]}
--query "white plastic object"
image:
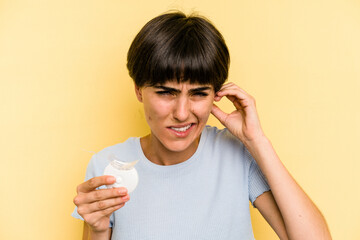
{"points": [[125, 174]]}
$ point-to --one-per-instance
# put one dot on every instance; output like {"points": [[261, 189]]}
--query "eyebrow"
{"points": [[199, 89]]}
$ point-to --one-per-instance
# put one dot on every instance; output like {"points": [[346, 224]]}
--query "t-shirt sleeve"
{"points": [[94, 169], [257, 181]]}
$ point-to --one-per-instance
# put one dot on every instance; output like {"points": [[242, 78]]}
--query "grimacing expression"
{"points": [[176, 112]]}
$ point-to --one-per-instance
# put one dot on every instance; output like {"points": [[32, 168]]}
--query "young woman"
{"points": [[195, 181]]}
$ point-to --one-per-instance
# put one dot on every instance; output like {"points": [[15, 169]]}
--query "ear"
{"points": [[138, 93]]}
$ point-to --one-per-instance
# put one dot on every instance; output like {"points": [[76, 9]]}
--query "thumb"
{"points": [[219, 114]]}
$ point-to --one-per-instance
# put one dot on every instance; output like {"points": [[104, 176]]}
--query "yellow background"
{"points": [[65, 92]]}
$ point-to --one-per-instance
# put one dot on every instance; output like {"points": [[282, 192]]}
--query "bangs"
{"points": [[184, 49], [186, 57]]}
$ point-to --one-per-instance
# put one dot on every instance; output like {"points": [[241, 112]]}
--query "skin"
{"points": [[174, 105], [96, 206], [288, 210]]}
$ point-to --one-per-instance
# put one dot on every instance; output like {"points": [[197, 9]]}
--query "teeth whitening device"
{"points": [[124, 172]]}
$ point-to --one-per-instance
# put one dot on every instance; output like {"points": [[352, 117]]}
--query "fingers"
{"points": [[98, 195], [95, 200], [95, 218], [232, 85], [96, 205], [102, 194], [232, 90], [102, 205], [236, 95], [219, 114], [95, 182]]}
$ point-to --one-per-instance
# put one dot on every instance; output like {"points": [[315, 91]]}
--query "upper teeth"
{"points": [[182, 129]]}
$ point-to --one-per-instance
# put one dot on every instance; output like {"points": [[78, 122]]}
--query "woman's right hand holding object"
{"points": [[96, 206]]}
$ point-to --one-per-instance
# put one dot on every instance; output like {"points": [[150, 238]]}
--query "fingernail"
{"points": [[122, 191], [110, 179], [125, 198]]}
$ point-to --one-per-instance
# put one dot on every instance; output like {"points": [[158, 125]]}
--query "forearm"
{"points": [[302, 218]]}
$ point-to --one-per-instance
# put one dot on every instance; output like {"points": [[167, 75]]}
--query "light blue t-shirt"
{"points": [[204, 198]]}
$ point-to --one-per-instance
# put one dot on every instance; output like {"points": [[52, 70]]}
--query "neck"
{"points": [[157, 153]]}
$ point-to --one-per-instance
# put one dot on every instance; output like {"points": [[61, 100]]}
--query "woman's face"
{"points": [[176, 112]]}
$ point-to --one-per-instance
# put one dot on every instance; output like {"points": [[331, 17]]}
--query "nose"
{"points": [[182, 109]]}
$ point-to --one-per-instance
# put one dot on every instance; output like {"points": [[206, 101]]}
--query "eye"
{"points": [[164, 93], [200, 94]]}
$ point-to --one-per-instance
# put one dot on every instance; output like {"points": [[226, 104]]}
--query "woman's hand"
{"points": [[244, 121], [96, 206]]}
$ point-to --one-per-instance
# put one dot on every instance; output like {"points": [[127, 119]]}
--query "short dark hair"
{"points": [[174, 46]]}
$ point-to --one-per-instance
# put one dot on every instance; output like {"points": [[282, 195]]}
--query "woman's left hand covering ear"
{"points": [[243, 122]]}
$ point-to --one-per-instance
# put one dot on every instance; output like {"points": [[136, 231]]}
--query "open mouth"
{"points": [[182, 130]]}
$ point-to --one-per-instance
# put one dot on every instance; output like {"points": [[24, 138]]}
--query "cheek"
{"points": [[156, 110], [203, 109]]}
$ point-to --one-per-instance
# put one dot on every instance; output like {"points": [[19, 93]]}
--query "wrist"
{"points": [[262, 151], [99, 235], [256, 143]]}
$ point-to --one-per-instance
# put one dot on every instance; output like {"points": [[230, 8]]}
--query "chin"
{"points": [[178, 146]]}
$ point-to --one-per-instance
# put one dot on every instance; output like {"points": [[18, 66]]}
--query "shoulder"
{"points": [[222, 136], [223, 143]]}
